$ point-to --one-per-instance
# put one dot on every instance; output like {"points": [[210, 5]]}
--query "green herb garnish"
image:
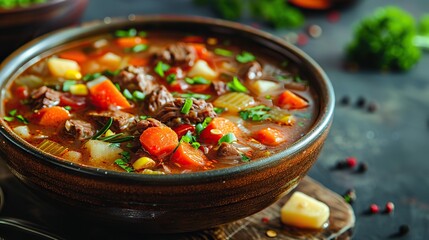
{"points": [[138, 95], [142, 117], [171, 78], [110, 73], [91, 76], [8, 118], [103, 130], [219, 110], [244, 158], [127, 94], [161, 67], [201, 126], [223, 52], [187, 106], [67, 84], [68, 108], [192, 95], [258, 113], [22, 119], [236, 86], [124, 165], [197, 80], [245, 57], [13, 112], [189, 138], [228, 138], [132, 32], [137, 48]]}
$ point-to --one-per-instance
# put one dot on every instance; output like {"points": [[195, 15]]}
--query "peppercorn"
{"points": [[363, 167], [351, 162], [334, 16], [403, 229], [265, 219], [302, 39], [372, 107], [314, 31], [389, 207], [341, 164], [374, 208], [345, 100], [360, 102]]}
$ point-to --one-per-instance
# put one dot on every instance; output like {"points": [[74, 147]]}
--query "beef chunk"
{"points": [[122, 121], [44, 97], [135, 78], [177, 54], [158, 98], [79, 129], [219, 87], [171, 115], [147, 123], [250, 71], [227, 150]]}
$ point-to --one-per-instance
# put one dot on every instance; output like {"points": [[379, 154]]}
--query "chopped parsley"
{"points": [[223, 52], [244, 158], [171, 78], [91, 76], [219, 110], [137, 48], [201, 126], [160, 68], [132, 32], [187, 106], [197, 80], [236, 86], [124, 162], [245, 57], [228, 138], [192, 95], [258, 113]]}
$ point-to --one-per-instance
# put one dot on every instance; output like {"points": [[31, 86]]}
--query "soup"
{"points": [[160, 103]]}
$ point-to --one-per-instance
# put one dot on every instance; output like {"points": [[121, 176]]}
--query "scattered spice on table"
{"points": [[302, 39], [265, 220], [345, 100], [373, 208], [389, 207], [372, 107], [334, 16], [403, 229], [314, 31], [361, 101], [362, 167], [351, 162], [271, 233]]}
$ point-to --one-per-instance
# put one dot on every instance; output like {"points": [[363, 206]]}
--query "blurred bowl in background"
{"points": [[21, 24]]}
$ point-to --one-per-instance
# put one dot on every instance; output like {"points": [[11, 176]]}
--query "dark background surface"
{"points": [[393, 141]]}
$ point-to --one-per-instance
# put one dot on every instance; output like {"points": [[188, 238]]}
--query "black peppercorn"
{"points": [[360, 103], [403, 229], [372, 107], [345, 100], [363, 167]]}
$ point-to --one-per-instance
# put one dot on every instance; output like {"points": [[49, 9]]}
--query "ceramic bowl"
{"points": [[168, 203], [22, 24]]}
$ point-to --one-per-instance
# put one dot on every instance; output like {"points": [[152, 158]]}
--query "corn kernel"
{"points": [[144, 163], [212, 41], [109, 133], [73, 74], [79, 89], [148, 171]]}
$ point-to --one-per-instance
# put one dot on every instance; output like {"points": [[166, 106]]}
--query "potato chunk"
{"points": [[304, 211], [100, 151], [58, 66], [202, 69]]}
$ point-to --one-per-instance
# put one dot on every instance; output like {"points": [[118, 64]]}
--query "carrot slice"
{"points": [[290, 100], [104, 94], [138, 61], [159, 141], [216, 129], [52, 116], [312, 4], [201, 50], [127, 42], [188, 157], [269, 136], [74, 55]]}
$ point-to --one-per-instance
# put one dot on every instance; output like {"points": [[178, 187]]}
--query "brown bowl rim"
{"points": [[24, 54]]}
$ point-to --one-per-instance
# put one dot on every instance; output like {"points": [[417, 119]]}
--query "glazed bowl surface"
{"points": [[176, 202], [19, 25]]}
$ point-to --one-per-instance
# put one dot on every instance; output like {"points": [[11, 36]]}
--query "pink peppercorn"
{"points": [[351, 162], [390, 207], [334, 16], [265, 220], [374, 208], [302, 39]]}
